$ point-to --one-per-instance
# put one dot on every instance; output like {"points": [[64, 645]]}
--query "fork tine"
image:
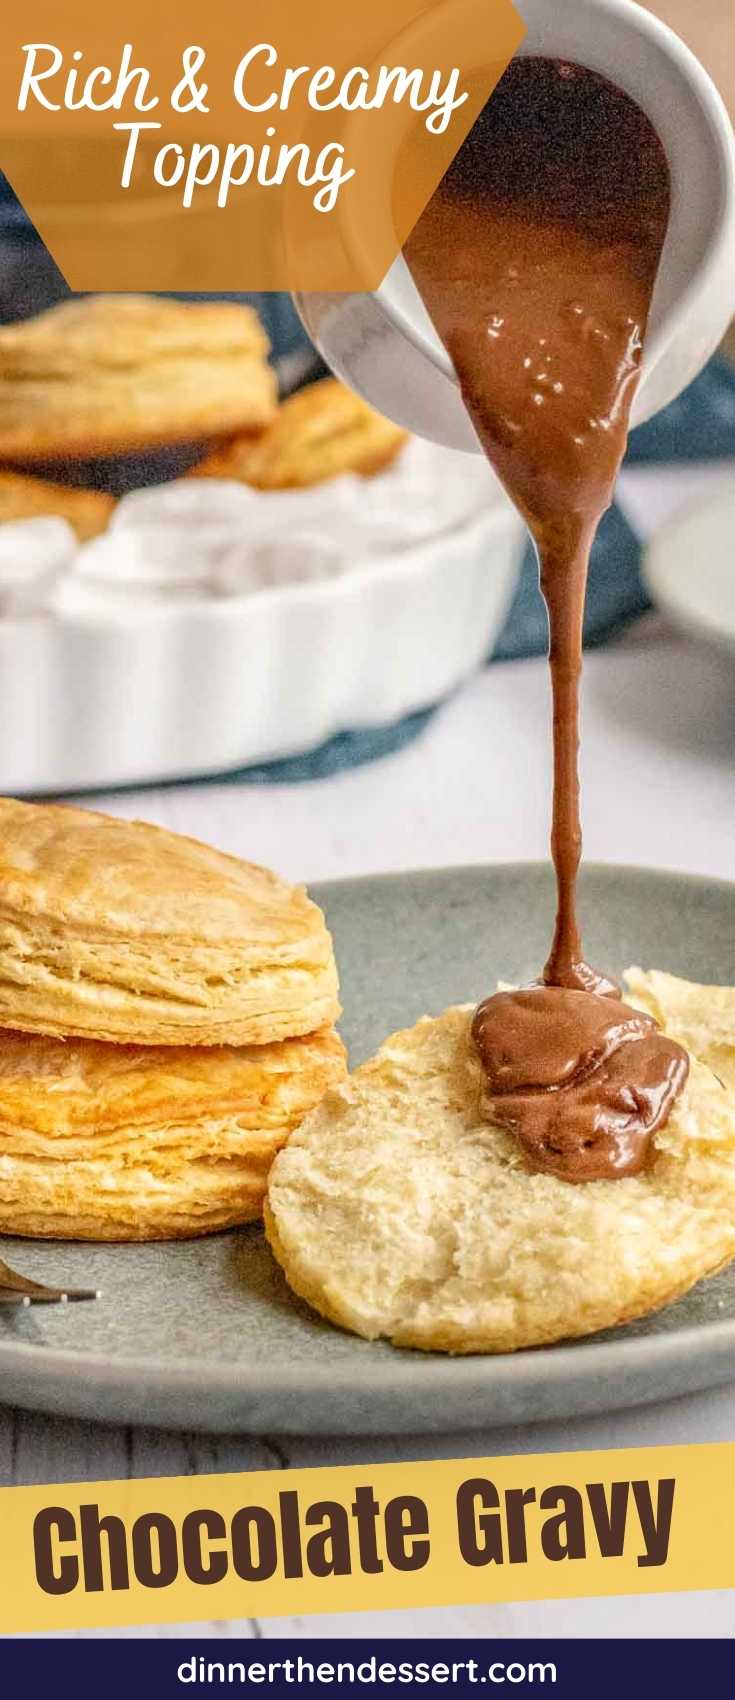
{"points": [[45, 1296], [16, 1288]]}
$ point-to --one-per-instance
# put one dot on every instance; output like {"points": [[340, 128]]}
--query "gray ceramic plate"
{"points": [[206, 1336]]}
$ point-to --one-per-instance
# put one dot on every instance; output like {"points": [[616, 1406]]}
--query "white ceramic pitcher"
{"points": [[384, 346]]}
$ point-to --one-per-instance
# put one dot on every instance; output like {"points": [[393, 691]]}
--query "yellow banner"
{"points": [[271, 146], [370, 1538]]}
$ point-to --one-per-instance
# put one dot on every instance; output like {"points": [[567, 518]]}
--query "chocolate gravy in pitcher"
{"points": [[536, 259]]}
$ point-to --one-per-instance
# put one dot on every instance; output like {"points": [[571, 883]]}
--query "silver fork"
{"points": [[18, 1290]]}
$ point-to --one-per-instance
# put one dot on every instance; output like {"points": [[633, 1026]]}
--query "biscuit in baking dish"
{"points": [[397, 1211], [21, 497], [108, 374], [108, 1142], [117, 930], [319, 433]]}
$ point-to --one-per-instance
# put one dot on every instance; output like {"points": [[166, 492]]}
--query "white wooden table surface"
{"points": [[660, 712]]}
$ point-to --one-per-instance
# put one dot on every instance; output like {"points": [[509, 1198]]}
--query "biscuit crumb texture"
{"points": [[399, 1213], [701, 1018]]}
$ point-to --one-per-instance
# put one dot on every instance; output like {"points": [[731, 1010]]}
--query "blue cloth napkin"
{"points": [[615, 594], [699, 425]]}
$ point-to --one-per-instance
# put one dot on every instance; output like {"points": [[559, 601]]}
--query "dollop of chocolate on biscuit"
{"points": [[583, 1081]]}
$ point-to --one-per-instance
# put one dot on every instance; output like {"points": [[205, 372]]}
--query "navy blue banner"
{"points": [[590, 1670]]}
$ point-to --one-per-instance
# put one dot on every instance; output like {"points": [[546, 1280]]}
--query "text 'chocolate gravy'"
{"points": [[536, 259]]}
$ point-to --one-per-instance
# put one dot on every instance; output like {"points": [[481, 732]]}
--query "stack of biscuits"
{"points": [[100, 377], [107, 374], [167, 1020]]}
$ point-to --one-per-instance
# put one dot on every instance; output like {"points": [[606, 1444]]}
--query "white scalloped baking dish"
{"points": [[116, 698]]}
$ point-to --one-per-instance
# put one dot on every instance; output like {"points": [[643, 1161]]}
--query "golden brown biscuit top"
{"points": [[322, 432], [119, 330], [66, 1086], [96, 875], [114, 374]]}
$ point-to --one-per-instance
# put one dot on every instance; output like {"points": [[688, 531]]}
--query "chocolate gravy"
{"points": [[536, 259], [585, 1101]]}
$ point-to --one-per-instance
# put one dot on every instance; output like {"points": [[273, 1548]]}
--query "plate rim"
{"points": [[119, 1372]]}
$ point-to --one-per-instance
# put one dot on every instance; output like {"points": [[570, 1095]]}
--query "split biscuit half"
{"points": [[399, 1212]]}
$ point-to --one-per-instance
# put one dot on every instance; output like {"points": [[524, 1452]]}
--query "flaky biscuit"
{"points": [[701, 1018], [109, 374], [116, 930], [107, 1142], [397, 1211], [21, 497], [319, 433]]}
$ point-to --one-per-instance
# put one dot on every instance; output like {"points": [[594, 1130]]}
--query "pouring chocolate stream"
{"points": [[536, 259]]}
